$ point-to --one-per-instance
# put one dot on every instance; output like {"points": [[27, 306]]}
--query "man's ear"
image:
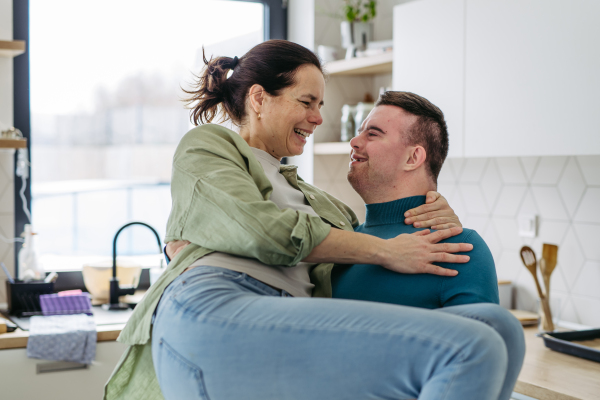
{"points": [[256, 95], [416, 158]]}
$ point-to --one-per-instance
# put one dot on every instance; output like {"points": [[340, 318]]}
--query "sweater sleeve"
{"points": [[219, 196], [476, 281]]}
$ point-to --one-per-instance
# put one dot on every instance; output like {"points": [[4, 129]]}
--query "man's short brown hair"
{"points": [[429, 130]]}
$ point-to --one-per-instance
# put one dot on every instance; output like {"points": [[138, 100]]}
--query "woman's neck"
{"points": [[253, 140]]}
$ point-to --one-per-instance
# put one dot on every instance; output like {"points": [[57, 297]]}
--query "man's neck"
{"points": [[398, 190]]}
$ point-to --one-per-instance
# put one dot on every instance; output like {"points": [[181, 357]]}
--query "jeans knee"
{"points": [[490, 347], [508, 327]]}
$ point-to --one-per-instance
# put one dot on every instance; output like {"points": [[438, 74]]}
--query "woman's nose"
{"points": [[315, 117]]}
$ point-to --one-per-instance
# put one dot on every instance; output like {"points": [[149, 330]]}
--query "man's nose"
{"points": [[355, 142]]}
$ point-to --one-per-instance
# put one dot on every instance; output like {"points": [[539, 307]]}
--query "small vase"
{"points": [[355, 36]]}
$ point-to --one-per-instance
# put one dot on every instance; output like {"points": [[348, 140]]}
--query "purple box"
{"points": [[53, 304]]}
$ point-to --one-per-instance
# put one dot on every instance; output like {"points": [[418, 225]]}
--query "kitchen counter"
{"points": [[546, 374], [18, 338], [550, 375]]}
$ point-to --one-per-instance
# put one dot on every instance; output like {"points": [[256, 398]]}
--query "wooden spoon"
{"points": [[530, 261], [548, 264]]}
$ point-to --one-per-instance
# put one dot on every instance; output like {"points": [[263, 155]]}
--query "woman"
{"points": [[235, 320]]}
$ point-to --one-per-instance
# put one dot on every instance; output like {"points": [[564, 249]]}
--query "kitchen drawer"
{"points": [[19, 378]]}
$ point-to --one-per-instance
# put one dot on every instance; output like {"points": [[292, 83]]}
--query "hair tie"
{"points": [[234, 62]]}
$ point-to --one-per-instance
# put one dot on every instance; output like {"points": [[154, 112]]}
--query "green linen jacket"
{"points": [[221, 203]]}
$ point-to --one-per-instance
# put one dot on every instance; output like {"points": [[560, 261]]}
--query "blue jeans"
{"points": [[222, 335]]}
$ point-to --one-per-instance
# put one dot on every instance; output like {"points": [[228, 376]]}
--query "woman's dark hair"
{"points": [[271, 64]]}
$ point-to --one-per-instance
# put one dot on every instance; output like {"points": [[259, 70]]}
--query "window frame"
{"points": [[275, 27]]}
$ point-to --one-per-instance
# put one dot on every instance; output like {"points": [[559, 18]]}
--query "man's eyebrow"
{"points": [[375, 128], [313, 98]]}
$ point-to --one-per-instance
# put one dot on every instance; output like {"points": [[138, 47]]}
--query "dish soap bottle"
{"points": [[29, 266]]}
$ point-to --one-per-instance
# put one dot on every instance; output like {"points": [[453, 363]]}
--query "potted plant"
{"points": [[357, 30]]}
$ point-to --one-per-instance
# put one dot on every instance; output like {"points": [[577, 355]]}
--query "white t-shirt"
{"points": [[294, 280]]}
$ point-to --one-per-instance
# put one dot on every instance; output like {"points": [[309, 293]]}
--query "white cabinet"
{"points": [[532, 77], [429, 58], [19, 379], [513, 77]]}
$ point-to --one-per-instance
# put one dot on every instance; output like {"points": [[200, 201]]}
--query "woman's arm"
{"points": [[409, 254], [219, 203]]}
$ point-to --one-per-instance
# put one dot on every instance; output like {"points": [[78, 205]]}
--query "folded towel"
{"points": [[59, 304], [62, 338]]}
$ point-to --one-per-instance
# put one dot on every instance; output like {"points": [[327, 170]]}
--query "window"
{"points": [[106, 114]]}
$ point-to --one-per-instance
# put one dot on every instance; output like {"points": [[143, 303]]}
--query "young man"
{"points": [[396, 160]]}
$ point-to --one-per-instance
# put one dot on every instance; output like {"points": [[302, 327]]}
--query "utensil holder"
{"points": [[24, 297]]}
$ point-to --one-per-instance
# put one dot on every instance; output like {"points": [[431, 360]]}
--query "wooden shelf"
{"points": [[13, 143], [379, 64], [11, 48], [332, 148]]}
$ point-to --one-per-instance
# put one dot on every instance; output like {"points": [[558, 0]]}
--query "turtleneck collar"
{"points": [[391, 212]]}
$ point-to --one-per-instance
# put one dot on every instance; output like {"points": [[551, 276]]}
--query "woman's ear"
{"points": [[256, 94], [416, 158]]}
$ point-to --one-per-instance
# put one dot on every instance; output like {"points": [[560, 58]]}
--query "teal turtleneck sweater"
{"points": [[476, 281]]}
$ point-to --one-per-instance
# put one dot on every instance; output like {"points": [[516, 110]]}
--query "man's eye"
{"points": [[305, 103]]}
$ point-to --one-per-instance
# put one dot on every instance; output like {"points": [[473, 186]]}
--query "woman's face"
{"points": [[289, 119]]}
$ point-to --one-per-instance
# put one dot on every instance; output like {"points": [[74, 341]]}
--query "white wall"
{"points": [[7, 207]]}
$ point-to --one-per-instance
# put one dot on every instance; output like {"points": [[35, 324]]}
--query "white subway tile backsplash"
{"points": [[472, 170], [587, 310], [549, 202], [551, 232], [446, 175], [528, 205], [557, 281], [589, 208], [509, 200], [477, 222], [507, 230], [447, 190], [571, 258], [491, 184], [571, 186], [589, 238], [508, 265], [489, 194], [458, 205], [473, 198], [511, 170], [590, 167], [456, 164], [548, 170], [529, 164], [587, 283], [569, 313]]}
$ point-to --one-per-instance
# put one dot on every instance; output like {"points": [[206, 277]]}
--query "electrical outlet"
{"points": [[528, 225]]}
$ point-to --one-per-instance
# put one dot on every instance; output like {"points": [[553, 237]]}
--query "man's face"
{"points": [[379, 152]]}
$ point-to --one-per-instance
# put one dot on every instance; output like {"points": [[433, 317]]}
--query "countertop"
{"points": [[546, 374], [550, 375], [18, 338]]}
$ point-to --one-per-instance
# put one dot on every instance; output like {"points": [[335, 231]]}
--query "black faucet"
{"points": [[115, 290]]}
